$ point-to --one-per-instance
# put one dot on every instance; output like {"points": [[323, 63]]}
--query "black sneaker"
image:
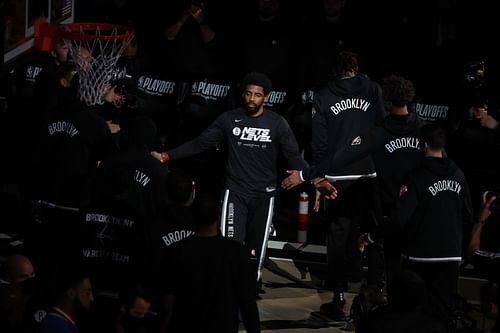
{"points": [[334, 310]]}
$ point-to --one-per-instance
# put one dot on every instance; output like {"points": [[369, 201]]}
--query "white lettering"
{"points": [[256, 134], [445, 185], [350, 104]]}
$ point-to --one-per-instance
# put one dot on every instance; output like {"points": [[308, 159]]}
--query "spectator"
{"points": [[16, 289], [136, 315], [73, 297], [484, 249]]}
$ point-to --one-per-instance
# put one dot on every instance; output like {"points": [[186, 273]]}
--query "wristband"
{"points": [[163, 157]]}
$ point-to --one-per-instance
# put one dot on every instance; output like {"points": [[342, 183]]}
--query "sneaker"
{"points": [[334, 310]]}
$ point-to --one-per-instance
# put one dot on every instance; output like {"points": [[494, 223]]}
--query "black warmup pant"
{"points": [[348, 216], [441, 281], [248, 219]]}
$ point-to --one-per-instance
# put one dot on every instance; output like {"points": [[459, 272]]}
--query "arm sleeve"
{"points": [[105, 145], [406, 203], [210, 137], [378, 106], [319, 133]]}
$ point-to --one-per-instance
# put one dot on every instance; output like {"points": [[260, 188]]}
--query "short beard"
{"points": [[253, 111]]}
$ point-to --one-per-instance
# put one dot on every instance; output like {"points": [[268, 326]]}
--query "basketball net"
{"points": [[95, 48]]}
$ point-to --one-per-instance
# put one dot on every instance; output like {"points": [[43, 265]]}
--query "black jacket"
{"points": [[342, 111], [395, 149], [434, 206], [253, 145]]}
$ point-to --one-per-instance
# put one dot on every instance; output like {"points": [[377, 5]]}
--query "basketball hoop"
{"points": [[95, 49]]}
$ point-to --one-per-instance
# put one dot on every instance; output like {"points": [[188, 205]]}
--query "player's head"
{"points": [[60, 51], [180, 188], [256, 89], [131, 49], [206, 210], [345, 63], [65, 74], [83, 58], [433, 137], [398, 91]]}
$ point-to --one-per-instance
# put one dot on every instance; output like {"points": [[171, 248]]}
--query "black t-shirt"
{"points": [[211, 280]]}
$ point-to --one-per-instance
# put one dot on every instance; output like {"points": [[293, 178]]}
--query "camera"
{"points": [[495, 205], [125, 87], [474, 73]]}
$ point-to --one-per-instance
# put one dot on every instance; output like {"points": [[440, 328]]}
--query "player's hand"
{"points": [[113, 97], [317, 201], [363, 242], [114, 128], [156, 155], [198, 13], [292, 180], [487, 200], [487, 121], [325, 187]]}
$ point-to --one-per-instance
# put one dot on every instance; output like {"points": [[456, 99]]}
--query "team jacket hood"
{"points": [[401, 125], [351, 87], [442, 167]]}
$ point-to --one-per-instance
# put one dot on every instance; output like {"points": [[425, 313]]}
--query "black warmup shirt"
{"points": [[253, 145]]}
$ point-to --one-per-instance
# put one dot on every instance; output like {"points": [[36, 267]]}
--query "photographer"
{"points": [[486, 120], [484, 244]]}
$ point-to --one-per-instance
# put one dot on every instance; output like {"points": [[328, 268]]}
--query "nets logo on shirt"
{"points": [[253, 134]]}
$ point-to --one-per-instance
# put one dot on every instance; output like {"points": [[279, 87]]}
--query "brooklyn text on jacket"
{"points": [[399, 143], [108, 219], [63, 127], [350, 103], [175, 236], [445, 185]]}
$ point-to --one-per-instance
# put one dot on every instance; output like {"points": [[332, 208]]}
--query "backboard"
{"points": [[19, 18]]}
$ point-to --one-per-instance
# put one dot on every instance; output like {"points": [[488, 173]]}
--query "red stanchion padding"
{"points": [[303, 217], [45, 34]]}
